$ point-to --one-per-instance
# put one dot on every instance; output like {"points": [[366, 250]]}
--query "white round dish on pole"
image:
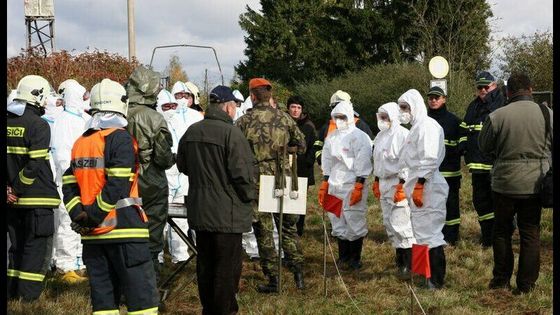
{"points": [[438, 67]]}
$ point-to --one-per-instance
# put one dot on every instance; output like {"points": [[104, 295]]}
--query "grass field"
{"points": [[372, 290]]}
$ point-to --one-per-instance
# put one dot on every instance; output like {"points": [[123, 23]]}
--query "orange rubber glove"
{"points": [[417, 195], [356, 193], [399, 193], [323, 189], [375, 189]]}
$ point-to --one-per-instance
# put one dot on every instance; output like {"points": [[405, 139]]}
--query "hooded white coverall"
{"points": [[346, 156], [178, 123], [387, 147], [422, 154], [68, 126]]}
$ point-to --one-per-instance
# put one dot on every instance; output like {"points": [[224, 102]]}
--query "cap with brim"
{"points": [[256, 82], [436, 90], [222, 94], [484, 78]]}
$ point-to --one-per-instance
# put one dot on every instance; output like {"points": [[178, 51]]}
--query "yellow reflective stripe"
{"points": [[69, 179], [17, 150], [450, 142], [462, 139], [476, 127], [107, 312], [317, 153], [479, 166], [72, 203], [487, 216], [103, 205], [120, 233], [463, 125], [23, 201], [451, 174], [148, 311], [25, 275], [38, 153], [318, 143], [118, 172], [453, 222], [25, 180]]}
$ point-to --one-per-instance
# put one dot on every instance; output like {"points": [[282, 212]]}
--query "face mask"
{"points": [[183, 103], [405, 118], [383, 125], [341, 124], [53, 111], [169, 114]]}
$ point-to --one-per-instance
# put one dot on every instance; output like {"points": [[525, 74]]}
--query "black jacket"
{"points": [[476, 114], [27, 166], [322, 134], [306, 161], [452, 131], [217, 158]]}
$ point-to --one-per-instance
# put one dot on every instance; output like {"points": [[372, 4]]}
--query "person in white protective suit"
{"points": [[387, 147], [238, 111], [68, 126], [346, 164], [178, 182], [425, 188]]}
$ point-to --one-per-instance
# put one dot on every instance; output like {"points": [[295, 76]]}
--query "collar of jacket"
{"points": [[303, 118], [262, 105], [437, 113], [490, 97], [521, 97], [218, 114], [34, 109]]}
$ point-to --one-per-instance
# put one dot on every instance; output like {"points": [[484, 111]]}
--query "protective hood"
{"points": [[392, 109], [51, 110], [345, 108], [417, 107], [143, 87], [73, 97], [12, 95], [16, 107], [104, 120], [178, 87], [164, 97]]}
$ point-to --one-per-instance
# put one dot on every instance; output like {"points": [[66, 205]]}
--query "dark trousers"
{"points": [[484, 205], [218, 270], [453, 215], [528, 221], [30, 231], [121, 268]]}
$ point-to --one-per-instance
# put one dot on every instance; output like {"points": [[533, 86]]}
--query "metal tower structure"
{"points": [[39, 15]]}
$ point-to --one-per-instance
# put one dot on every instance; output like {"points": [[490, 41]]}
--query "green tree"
{"points": [[530, 54], [175, 71]]}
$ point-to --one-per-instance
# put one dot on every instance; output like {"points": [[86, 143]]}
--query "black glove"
{"points": [[80, 224]]}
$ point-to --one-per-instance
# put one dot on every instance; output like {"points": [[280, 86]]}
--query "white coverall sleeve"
{"points": [[362, 153], [430, 143], [326, 158]]}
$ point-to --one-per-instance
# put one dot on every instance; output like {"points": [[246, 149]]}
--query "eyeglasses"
{"points": [[434, 97], [485, 87], [168, 106]]}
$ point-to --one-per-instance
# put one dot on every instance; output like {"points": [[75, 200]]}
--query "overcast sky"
{"points": [[102, 24]]}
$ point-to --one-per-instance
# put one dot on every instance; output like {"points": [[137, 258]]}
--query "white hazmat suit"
{"points": [[178, 121], [68, 126], [423, 153], [346, 157]]}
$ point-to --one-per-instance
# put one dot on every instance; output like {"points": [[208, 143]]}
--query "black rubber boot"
{"points": [[437, 267], [355, 261], [343, 252], [298, 278], [270, 287], [404, 269], [486, 230]]}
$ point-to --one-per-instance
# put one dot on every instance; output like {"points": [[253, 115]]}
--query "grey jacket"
{"points": [[515, 136]]}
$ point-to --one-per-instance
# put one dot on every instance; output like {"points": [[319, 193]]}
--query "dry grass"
{"points": [[374, 289]]}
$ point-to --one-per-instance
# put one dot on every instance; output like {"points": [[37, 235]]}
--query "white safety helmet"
{"points": [[109, 96], [33, 89], [338, 97], [193, 89], [238, 95]]}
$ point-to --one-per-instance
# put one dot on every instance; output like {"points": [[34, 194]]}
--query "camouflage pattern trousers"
{"points": [[268, 253]]}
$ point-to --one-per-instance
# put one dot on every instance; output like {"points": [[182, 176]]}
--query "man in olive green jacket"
{"points": [[517, 137], [154, 152]]}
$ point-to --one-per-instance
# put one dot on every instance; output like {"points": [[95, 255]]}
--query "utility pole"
{"points": [[131, 34]]}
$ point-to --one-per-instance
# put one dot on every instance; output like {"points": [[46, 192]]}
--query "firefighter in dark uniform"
{"points": [[489, 99], [101, 194], [330, 126], [450, 168], [31, 191]]}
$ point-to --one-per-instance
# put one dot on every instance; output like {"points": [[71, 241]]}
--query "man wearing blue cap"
{"points": [[489, 98], [216, 157]]}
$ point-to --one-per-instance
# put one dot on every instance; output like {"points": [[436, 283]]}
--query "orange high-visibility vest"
{"points": [[89, 169]]}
